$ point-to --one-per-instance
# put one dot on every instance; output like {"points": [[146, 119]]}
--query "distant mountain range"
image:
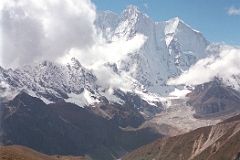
{"points": [[171, 47], [64, 109]]}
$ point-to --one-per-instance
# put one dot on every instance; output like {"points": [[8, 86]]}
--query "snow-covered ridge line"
{"points": [[53, 82]]}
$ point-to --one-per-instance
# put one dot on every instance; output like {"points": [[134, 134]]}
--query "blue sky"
{"points": [[218, 20]]}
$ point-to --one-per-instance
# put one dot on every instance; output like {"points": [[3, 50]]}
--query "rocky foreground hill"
{"points": [[217, 142]]}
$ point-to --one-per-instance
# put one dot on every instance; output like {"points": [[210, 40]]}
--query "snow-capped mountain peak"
{"points": [[177, 30], [167, 52], [175, 23], [171, 47], [131, 10], [132, 21]]}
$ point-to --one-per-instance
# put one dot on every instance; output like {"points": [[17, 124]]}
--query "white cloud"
{"points": [[233, 11], [107, 79], [102, 52], [32, 30], [98, 55], [224, 65], [57, 30], [6, 91]]}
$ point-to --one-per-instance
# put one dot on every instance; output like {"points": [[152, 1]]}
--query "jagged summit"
{"points": [[131, 13], [75, 63], [178, 21], [172, 25], [131, 9], [177, 29]]}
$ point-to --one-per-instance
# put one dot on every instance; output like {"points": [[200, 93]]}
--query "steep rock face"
{"points": [[107, 21], [216, 142], [214, 99]]}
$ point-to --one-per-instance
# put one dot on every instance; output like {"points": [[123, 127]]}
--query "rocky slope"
{"points": [[214, 99], [66, 129], [15, 152], [218, 142]]}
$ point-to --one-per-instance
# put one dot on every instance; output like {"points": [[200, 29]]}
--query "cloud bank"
{"points": [[225, 65], [33, 30], [233, 11], [102, 52], [57, 30]]}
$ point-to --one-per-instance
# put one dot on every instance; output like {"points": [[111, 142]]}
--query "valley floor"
{"points": [[181, 116]]}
